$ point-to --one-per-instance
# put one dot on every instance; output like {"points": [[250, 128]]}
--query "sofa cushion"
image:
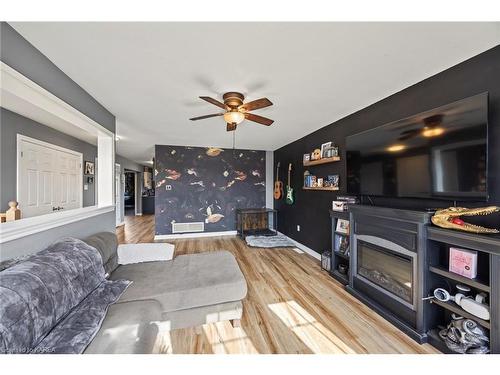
{"points": [[187, 281], [40, 291], [129, 328], [107, 244]]}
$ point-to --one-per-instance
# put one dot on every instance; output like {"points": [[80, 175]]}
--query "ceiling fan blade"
{"points": [[206, 116], [230, 127], [213, 101], [259, 119], [256, 104]]}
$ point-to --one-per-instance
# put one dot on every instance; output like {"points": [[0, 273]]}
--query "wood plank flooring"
{"points": [[292, 305]]}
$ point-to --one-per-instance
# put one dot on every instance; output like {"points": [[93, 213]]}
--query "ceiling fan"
{"points": [[235, 111]]}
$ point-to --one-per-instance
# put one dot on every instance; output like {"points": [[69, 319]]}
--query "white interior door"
{"points": [[49, 177]]}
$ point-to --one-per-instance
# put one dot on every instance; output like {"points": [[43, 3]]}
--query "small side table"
{"points": [[256, 222]]}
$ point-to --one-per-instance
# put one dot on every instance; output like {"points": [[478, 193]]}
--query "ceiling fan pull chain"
{"points": [[234, 136]]}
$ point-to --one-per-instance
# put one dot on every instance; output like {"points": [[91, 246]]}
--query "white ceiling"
{"points": [[149, 75]]}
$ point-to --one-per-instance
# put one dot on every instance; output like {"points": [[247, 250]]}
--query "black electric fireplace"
{"points": [[392, 271], [387, 264]]}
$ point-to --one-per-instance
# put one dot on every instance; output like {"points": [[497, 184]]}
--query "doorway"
{"points": [[130, 193]]}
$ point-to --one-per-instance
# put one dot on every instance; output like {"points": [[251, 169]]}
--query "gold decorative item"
{"points": [[450, 218], [316, 154], [13, 213]]}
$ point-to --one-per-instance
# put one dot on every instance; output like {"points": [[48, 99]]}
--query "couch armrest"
{"points": [[145, 252]]}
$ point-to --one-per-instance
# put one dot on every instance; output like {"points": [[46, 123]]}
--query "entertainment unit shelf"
{"points": [[337, 257], [310, 163], [454, 308], [474, 283], [438, 313], [324, 188]]}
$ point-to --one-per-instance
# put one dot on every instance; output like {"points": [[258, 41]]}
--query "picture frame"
{"points": [[306, 158], [324, 147], [89, 168], [342, 226], [333, 180], [341, 244]]}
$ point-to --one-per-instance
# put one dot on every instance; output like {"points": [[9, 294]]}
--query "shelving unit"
{"points": [[326, 188], [321, 161], [474, 283], [438, 313], [337, 257]]}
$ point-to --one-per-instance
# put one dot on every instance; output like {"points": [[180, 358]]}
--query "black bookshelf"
{"points": [[438, 314], [338, 257]]}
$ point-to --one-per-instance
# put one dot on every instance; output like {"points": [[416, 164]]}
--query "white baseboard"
{"points": [[138, 214], [120, 224], [159, 237], [304, 248]]}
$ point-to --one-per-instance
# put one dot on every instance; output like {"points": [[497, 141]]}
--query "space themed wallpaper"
{"points": [[196, 184]]}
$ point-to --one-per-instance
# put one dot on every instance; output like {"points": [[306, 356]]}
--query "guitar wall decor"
{"points": [[289, 189], [278, 185]]}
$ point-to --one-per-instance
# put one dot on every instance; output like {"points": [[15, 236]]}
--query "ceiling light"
{"points": [[234, 117], [396, 148], [432, 132]]}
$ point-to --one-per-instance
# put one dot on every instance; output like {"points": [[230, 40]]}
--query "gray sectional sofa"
{"points": [[189, 290]]}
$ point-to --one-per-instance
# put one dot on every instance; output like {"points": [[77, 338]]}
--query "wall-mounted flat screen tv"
{"points": [[437, 154]]}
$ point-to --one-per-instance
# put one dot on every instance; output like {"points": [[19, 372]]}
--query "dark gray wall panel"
{"points": [[474, 76], [201, 178]]}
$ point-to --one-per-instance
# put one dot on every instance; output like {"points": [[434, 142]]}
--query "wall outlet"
{"points": [[298, 228], [85, 187], [168, 187]]}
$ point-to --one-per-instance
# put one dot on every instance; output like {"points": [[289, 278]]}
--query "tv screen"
{"points": [[439, 154]]}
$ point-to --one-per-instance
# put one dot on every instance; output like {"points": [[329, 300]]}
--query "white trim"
{"points": [[120, 224], [21, 228], [160, 237], [304, 248], [138, 214], [16, 85], [20, 138]]}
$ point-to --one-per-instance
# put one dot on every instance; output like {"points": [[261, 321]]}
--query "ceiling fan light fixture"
{"points": [[432, 132], [234, 117]]}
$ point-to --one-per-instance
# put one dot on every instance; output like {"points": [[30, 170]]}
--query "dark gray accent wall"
{"points": [[474, 76], [20, 55], [197, 184], [12, 124]]}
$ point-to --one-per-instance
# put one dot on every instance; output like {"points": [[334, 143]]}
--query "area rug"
{"points": [[279, 240]]}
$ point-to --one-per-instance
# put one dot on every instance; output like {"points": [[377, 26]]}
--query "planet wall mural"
{"points": [[198, 184]]}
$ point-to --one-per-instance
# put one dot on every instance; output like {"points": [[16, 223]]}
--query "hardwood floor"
{"points": [[292, 305]]}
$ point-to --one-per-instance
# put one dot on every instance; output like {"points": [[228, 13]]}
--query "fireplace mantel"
{"points": [[400, 234]]}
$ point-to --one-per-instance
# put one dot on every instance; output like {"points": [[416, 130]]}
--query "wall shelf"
{"points": [[475, 283], [325, 188], [451, 306], [333, 159]]}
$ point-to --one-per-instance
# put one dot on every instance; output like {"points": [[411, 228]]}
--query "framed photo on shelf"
{"points": [[306, 158], [341, 244], [333, 180], [342, 226], [324, 147]]}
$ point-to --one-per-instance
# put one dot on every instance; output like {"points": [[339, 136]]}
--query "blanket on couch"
{"points": [[56, 300]]}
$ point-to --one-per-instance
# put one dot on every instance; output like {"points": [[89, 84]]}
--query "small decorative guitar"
{"points": [[289, 189], [278, 185]]}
